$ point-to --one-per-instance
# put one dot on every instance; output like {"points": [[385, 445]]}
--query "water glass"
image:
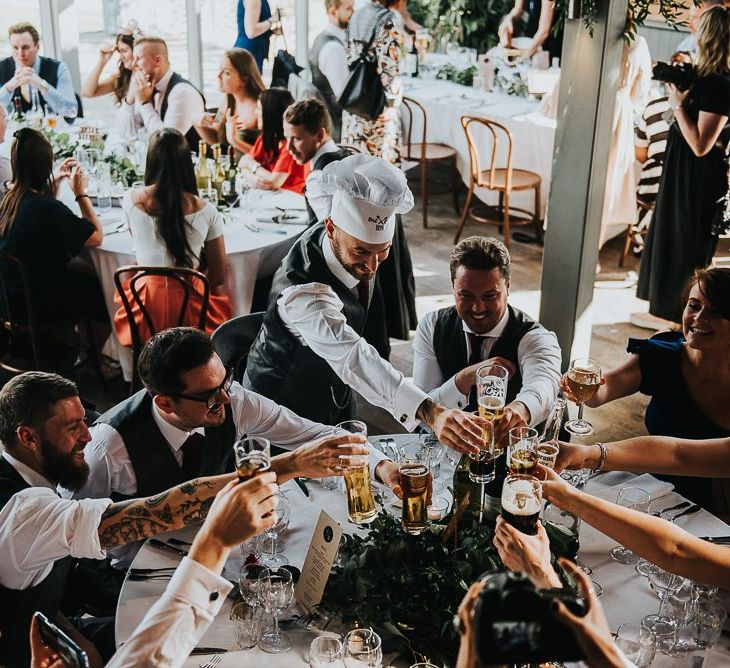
{"points": [[104, 194], [248, 620], [331, 483], [708, 622], [637, 643], [664, 630], [362, 648], [248, 582], [325, 651], [636, 499], [680, 606], [209, 195]]}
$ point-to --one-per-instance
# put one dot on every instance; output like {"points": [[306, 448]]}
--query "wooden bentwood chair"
{"points": [[425, 153], [503, 180], [179, 277]]}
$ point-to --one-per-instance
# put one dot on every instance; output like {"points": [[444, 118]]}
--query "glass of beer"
{"points": [[584, 379], [360, 501], [415, 482], [492, 396], [547, 453], [253, 455], [522, 456], [521, 502], [481, 465]]}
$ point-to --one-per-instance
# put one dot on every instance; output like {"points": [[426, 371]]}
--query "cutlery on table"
{"points": [[258, 228], [160, 545], [302, 486], [208, 650], [213, 662], [140, 577], [679, 506], [151, 571], [181, 543], [689, 511], [716, 540]]}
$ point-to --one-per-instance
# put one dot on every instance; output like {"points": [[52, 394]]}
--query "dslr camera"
{"points": [[513, 622], [682, 75]]}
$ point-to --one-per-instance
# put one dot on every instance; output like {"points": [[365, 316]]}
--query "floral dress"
{"points": [[381, 137]]}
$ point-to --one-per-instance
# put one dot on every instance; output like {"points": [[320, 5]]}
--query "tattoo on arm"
{"points": [[139, 519]]}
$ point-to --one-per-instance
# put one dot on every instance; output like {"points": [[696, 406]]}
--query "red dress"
{"points": [[281, 163]]}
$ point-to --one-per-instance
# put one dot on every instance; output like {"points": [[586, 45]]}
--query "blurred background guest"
{"points": [[328, 59], [46, 235], [255, 27], [694, 14], [535, 20], [173, 227], [687, 218], [5, 172], [268, 164], [381, 137], [241, 84]]}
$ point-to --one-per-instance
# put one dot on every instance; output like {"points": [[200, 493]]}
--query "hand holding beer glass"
{"points": [[521, 502], [491, 398], [253, 455], [583, 380], [360, 501], [522, 456]]}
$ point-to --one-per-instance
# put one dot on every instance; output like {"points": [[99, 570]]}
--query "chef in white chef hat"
{"points": [[358, 198]]}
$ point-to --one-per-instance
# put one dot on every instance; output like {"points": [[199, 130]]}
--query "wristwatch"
{"points": [[255, 167]]}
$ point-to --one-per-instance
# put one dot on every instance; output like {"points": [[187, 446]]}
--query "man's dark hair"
{"points": [[169, 354], [310, 113], [20, 28], [483, 253], [28, 400]]}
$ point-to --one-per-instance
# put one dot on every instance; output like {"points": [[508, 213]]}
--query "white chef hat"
{"points": [[362, 194]]}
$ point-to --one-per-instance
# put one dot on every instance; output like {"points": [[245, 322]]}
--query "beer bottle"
{"points": [[219, 174], [202, 171]]}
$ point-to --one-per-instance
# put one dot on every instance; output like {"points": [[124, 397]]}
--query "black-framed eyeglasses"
{"points": [[212, 398]]}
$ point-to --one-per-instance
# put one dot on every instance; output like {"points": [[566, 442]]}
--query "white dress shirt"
{"points": [[538, 355], [313, 314], [328, 147], [332, 59], [61, 99], [37, 528], [184, 107], [111, 470], [174, 625]]}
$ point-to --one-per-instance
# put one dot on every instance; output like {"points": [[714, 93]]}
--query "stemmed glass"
{"points": [[276, 589], [664, 628], [636, 499], [584, 379], [362, 648], [325, 652], [281, 513]]}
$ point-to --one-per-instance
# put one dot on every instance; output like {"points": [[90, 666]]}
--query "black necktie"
{"points": [[475, 342], [192, 451], [363, 293]]}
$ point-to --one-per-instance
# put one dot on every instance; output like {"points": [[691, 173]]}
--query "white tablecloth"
{"points": [[251, 254], [532, 133], [626, 598]]}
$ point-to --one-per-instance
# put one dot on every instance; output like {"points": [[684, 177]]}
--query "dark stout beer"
{"points": [[521, 502]]}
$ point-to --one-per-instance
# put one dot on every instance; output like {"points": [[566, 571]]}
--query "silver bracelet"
{"points": [[602, 459]]}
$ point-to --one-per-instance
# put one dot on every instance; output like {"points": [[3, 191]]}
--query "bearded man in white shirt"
{"points": [[311, 352], [44, 435], [450, 344]]}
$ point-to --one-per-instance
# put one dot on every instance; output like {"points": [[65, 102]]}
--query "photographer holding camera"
{"points": [[687, 219]]}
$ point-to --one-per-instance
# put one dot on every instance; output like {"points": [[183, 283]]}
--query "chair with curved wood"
{"points": [[635, 229], [233, 340], [187, 281], [425, 153], [504, 180]]}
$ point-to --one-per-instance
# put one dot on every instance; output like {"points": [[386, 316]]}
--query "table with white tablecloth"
{"points": [[532, 133], [626, 594], [255, 246]]}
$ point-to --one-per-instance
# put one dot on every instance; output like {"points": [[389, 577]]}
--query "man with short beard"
{"points": [[311, 352], [43, 432]]}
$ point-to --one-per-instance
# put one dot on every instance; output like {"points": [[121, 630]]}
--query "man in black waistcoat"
{"points": [[311, 352], [451, 343], [26, 74], [164, 99], [44, 435]]}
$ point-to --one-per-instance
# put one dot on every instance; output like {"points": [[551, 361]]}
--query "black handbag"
{"points": [[284, 66], [364, 94]]}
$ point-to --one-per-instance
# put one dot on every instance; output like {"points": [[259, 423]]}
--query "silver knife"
{"points": [[160, 545], [690, 511]]}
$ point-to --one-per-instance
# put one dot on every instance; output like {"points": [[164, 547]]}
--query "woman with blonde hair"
{"points": [[240, 82], [688, 219]]}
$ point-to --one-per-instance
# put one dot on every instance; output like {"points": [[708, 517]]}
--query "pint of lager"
{"points": [[415, 482], [521, 502], [491, 396], [253, 455], [360, 501], [522, 450]]}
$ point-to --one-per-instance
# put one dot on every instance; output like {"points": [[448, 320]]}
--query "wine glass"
{"points": [[584, 379], [637, 643], [248, 582], [362, 648], [636, 499], [325, 652], [275, 592], [281, 513], [664, 628]]}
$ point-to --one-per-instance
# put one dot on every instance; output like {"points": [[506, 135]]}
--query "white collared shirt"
{"points": [[332, 60], [328, 147], [37, 528], [313, 314], [184, 107], [538, 355]]}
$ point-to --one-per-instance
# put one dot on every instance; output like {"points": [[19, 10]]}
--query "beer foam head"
{"points": [[520, 498]]}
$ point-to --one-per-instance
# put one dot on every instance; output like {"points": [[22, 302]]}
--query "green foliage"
{"points": [[63, 145], [464, 77], [122, 169], [408, 588]]}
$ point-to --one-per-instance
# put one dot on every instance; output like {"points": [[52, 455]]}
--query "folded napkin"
{"points": [[654, 487]]}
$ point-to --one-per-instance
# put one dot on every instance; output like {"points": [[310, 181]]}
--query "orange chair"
{"points": [[503, 180]]}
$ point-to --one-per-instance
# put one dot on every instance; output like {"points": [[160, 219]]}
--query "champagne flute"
{"points": [[276, 590], [281, 513], [584, 379]]}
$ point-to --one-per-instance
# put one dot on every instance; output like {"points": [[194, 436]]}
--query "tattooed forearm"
{"points": [[139, 519]]}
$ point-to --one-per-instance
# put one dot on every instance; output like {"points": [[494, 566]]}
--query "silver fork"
{"points": [[214, 661]]}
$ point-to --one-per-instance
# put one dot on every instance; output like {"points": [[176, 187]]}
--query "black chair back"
{"points": [[233, 340]]}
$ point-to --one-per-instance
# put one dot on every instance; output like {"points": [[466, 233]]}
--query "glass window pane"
{"points": [[17, 11]]}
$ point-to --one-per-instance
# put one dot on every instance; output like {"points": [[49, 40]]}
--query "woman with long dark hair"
{"points": [[687, 219], [240, 82], [46, 235], [173, 227], [269, 165]]}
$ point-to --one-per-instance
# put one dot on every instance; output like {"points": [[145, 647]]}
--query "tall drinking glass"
{"points": [[636, 499], [281, 514], [253, 455], [522, 456], [362, 648], [584, 379], [491, 398], [361, 507], [276, 590], [521, 502], [415, 482]]}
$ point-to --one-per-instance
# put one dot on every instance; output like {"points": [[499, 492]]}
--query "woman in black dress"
{"points": [[683, 233]]}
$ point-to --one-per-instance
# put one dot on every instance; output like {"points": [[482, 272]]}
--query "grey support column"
{"points": [[60, 35], [195, 44], [588, 84], [301, 14]]}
